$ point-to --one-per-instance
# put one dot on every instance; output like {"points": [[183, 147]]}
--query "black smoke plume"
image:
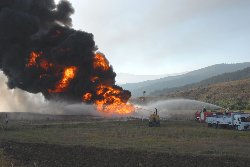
{"points": [[43, 27]]}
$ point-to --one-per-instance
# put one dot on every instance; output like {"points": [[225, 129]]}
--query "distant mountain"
{"points": [[226, 77], [123, 78], [184, 79]]}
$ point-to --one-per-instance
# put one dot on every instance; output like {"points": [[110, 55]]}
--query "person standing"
{"points": [[6, 119]]}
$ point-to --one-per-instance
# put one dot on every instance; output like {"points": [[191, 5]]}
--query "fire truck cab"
{"points": [[241, 121], [236, 120]]}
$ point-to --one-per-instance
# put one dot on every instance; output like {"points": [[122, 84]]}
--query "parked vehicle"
{"points": [[232, 120], [202, 115], [154, 119]]}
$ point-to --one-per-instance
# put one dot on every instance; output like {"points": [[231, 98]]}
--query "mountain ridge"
{"points": [[226, 77], [184, 79]]}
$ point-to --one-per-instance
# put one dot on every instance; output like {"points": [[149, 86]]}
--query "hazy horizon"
{"points": [[124, 78]]}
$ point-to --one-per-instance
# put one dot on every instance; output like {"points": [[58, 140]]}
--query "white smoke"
{"points": [[175, 108], [17, 100]]}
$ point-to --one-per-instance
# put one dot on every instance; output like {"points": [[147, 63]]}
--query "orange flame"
{"points": [[87, 97], [94, 79], [68, 75], [100, 62], [111, 102], [44, 64], [32, 58]]}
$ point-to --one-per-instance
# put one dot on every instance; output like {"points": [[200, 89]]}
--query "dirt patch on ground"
{"points": [[48, 155]]}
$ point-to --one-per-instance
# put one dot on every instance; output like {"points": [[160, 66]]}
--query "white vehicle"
{"points": [[239, 121]]}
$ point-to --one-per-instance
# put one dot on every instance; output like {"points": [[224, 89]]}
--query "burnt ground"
{"points": [[51, 155]]}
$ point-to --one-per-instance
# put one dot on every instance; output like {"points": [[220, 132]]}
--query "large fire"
{"points": [[68, 74], [110, 102], [52, 58], [108, 98], [100, 62], [32, 58]]}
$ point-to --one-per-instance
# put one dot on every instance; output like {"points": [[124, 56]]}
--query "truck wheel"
{"points": [[215, 125], [240, 128]]}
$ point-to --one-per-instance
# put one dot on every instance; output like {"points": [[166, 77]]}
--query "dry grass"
{"points": [[173, 137], [232, 94]]}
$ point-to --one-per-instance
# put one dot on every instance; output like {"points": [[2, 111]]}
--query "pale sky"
{"points": [[166, 36]]}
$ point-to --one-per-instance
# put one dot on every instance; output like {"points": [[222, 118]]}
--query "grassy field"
{"points": [[178, 137]]}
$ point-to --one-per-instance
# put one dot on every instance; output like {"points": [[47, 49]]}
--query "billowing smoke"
{"points": [[39, 52], [17, 100]]}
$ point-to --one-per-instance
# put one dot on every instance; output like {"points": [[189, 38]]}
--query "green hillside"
{"points": [[232, 94]]}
